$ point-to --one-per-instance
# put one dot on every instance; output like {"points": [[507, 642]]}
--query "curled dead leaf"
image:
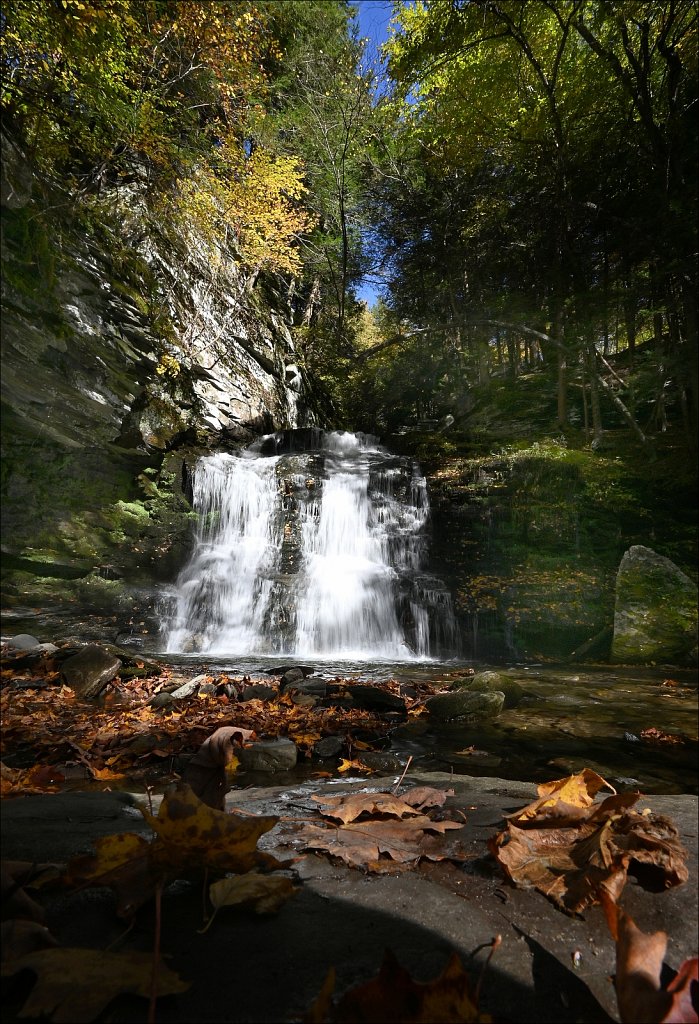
{"points": [[350, 808], [568, 847], [639, 963]]}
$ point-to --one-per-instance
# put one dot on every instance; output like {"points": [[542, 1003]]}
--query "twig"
{"points": [[407, 765], [493, 946], [120, 938], [156, 954]]}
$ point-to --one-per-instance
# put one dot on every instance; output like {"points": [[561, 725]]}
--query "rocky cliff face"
{"points": [[126, 343]]}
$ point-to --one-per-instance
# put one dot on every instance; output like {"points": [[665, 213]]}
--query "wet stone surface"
{"points": [[549, 967]]}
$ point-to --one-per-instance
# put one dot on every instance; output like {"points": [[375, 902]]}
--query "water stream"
{"points": [[313, 549], [316, 554]]}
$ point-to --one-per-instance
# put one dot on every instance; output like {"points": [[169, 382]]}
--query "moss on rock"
{"points": [[655, 617]]}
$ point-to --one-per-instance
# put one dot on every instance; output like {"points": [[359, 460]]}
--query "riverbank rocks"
{"points": [[89, 671], [291, 676], [257, 691], [329, 746], [445, 707], [373, 698], [278, 755], [487, 682], [655, 614], [22, 642]]}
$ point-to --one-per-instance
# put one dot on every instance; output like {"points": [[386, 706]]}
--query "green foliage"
{"points": [[516, 124]]}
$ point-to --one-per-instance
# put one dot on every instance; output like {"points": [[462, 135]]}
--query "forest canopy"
{"points": [[519, 178]]}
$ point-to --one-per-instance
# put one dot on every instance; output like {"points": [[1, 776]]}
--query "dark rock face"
{"points": [[655, 616], [90, 671]]}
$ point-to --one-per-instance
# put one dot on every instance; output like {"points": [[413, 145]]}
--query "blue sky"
{"points": [[374, 16]]}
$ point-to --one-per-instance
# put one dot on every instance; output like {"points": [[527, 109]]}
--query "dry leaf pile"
{"points": [[121, 735]]}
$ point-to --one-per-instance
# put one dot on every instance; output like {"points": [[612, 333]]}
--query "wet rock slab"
{"points": [[250, 968]]}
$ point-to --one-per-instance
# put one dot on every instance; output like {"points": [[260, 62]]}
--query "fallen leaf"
{"points": [[657, 736], [422, 797], [41, 778], [393, 995], [639, 963], [569, 850], [349, 808], [264, 894], [567, 798], [361, 844], [357, 766], [217, 750], [74, 985], [192, 835], [122, 862]]}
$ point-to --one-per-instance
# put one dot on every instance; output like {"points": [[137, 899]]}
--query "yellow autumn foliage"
{"points": [[253, 203]]}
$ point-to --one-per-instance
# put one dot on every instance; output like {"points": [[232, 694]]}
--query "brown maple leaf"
{"points": [[73, 986], [349, 808], [360, 844]]}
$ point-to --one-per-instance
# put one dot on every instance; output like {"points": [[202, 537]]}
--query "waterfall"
{"points": [[317, 553]]}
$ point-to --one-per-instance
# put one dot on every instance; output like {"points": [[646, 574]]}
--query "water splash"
{"points": [[313, 554]]}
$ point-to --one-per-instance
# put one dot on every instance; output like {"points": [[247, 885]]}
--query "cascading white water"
{"points": [[314, 554]]}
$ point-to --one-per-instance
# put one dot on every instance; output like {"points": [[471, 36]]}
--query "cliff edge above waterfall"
{"points": [[125, 337]]}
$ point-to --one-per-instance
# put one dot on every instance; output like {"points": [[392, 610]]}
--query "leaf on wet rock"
{"points": [[564, 798], [422, 797], [73, 986], [379, 832], [357, 766], [361, 844], [393, 995], [569, 848], [349, 808]]}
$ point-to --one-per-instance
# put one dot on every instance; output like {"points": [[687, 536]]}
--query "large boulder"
{"points": [[485, 682], [655, 615], [463, 704], [89, 671]]}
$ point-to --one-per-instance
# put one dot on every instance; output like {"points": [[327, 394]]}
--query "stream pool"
{"points": [[571, 717]]}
